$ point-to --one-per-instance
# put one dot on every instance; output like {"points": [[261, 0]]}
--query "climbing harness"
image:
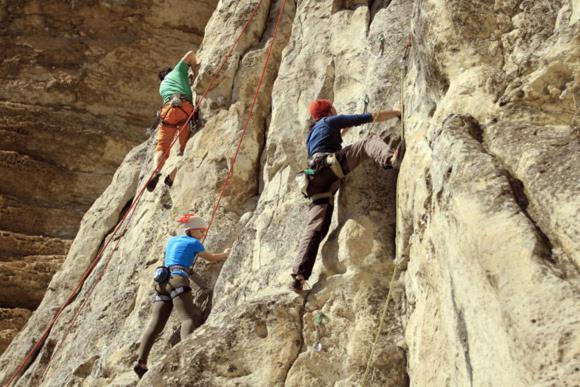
{"points": [[76, 290], [178, 102], [319, 320], [162, 279], [398, 263], [317, 163]]}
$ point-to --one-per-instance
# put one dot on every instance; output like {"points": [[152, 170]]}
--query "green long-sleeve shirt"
{"points": [[176, 82]]}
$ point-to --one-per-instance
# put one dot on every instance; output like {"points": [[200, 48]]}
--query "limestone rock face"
{"points": [[78, 86], [482, 210], [488, 194]]}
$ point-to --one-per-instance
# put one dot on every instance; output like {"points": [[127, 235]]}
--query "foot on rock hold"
{"points": [[168, 181], [151, 184], [297, 284], [140, 370]]}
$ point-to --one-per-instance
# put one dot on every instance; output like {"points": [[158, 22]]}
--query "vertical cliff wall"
{"points": [[483, 210], [78, 87], [488, 194]]}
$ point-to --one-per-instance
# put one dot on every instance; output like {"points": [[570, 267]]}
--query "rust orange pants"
{"points": [[172, 119]]}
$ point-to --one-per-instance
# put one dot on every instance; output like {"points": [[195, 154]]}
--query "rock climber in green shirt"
{"points": [[177, 107]]}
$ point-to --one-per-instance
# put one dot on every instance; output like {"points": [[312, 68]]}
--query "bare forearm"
{"points": [[216, 257], [189, 58], [387, 115]]}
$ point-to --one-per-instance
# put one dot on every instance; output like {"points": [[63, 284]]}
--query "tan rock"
{"points": [[74, 102], [489, 290], [13, 319], [487, 195], [24, 281]]}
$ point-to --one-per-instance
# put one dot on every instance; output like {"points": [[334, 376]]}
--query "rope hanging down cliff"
{"points": [[122, 223], [403, 63], [248, 121], [400, 261], [234, 158]]}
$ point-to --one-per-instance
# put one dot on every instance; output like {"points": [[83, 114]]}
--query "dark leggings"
{"points": [[161, 312]]}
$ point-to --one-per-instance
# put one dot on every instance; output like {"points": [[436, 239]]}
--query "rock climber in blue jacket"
{"points": [[328, 163]]}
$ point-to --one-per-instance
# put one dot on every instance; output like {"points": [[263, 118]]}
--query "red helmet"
{"points": [[320, 108]]}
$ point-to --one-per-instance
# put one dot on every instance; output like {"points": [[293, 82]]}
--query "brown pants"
{"points": [[162, 310], [320, 213]]}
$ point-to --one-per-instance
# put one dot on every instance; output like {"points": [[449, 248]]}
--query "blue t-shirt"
{"points": [[182, 250], [325, 134]]}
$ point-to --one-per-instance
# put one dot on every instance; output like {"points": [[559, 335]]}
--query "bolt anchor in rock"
{"points": [[318, 346], [366, 101], [319, 320], [381, 45], [408, 45]]}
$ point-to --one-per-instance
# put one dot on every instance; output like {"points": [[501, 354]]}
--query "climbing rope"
{"points": [[398, 262], [381, 322], [246, 124], [40, 342], [244, 131], [403, 63]]}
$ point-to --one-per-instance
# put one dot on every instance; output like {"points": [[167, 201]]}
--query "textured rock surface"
{"points": [[13, 319], [488, 194], [74, 99], [484, 208]]}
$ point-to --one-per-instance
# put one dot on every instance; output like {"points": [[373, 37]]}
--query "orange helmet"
{"points": [[320, 108]]}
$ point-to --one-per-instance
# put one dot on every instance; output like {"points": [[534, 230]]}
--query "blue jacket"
{"points": [[325, 134]]}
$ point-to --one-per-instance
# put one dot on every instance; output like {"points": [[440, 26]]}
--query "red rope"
{"points": [[246, 124], [40, 342]]}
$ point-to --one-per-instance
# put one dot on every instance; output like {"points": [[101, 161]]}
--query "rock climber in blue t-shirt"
{"points": [[180, 254]]}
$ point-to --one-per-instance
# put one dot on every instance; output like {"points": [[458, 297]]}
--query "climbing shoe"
{"points": [[168, 181], [397, 158], [151, 184], [297, 284], [140, 370]]}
